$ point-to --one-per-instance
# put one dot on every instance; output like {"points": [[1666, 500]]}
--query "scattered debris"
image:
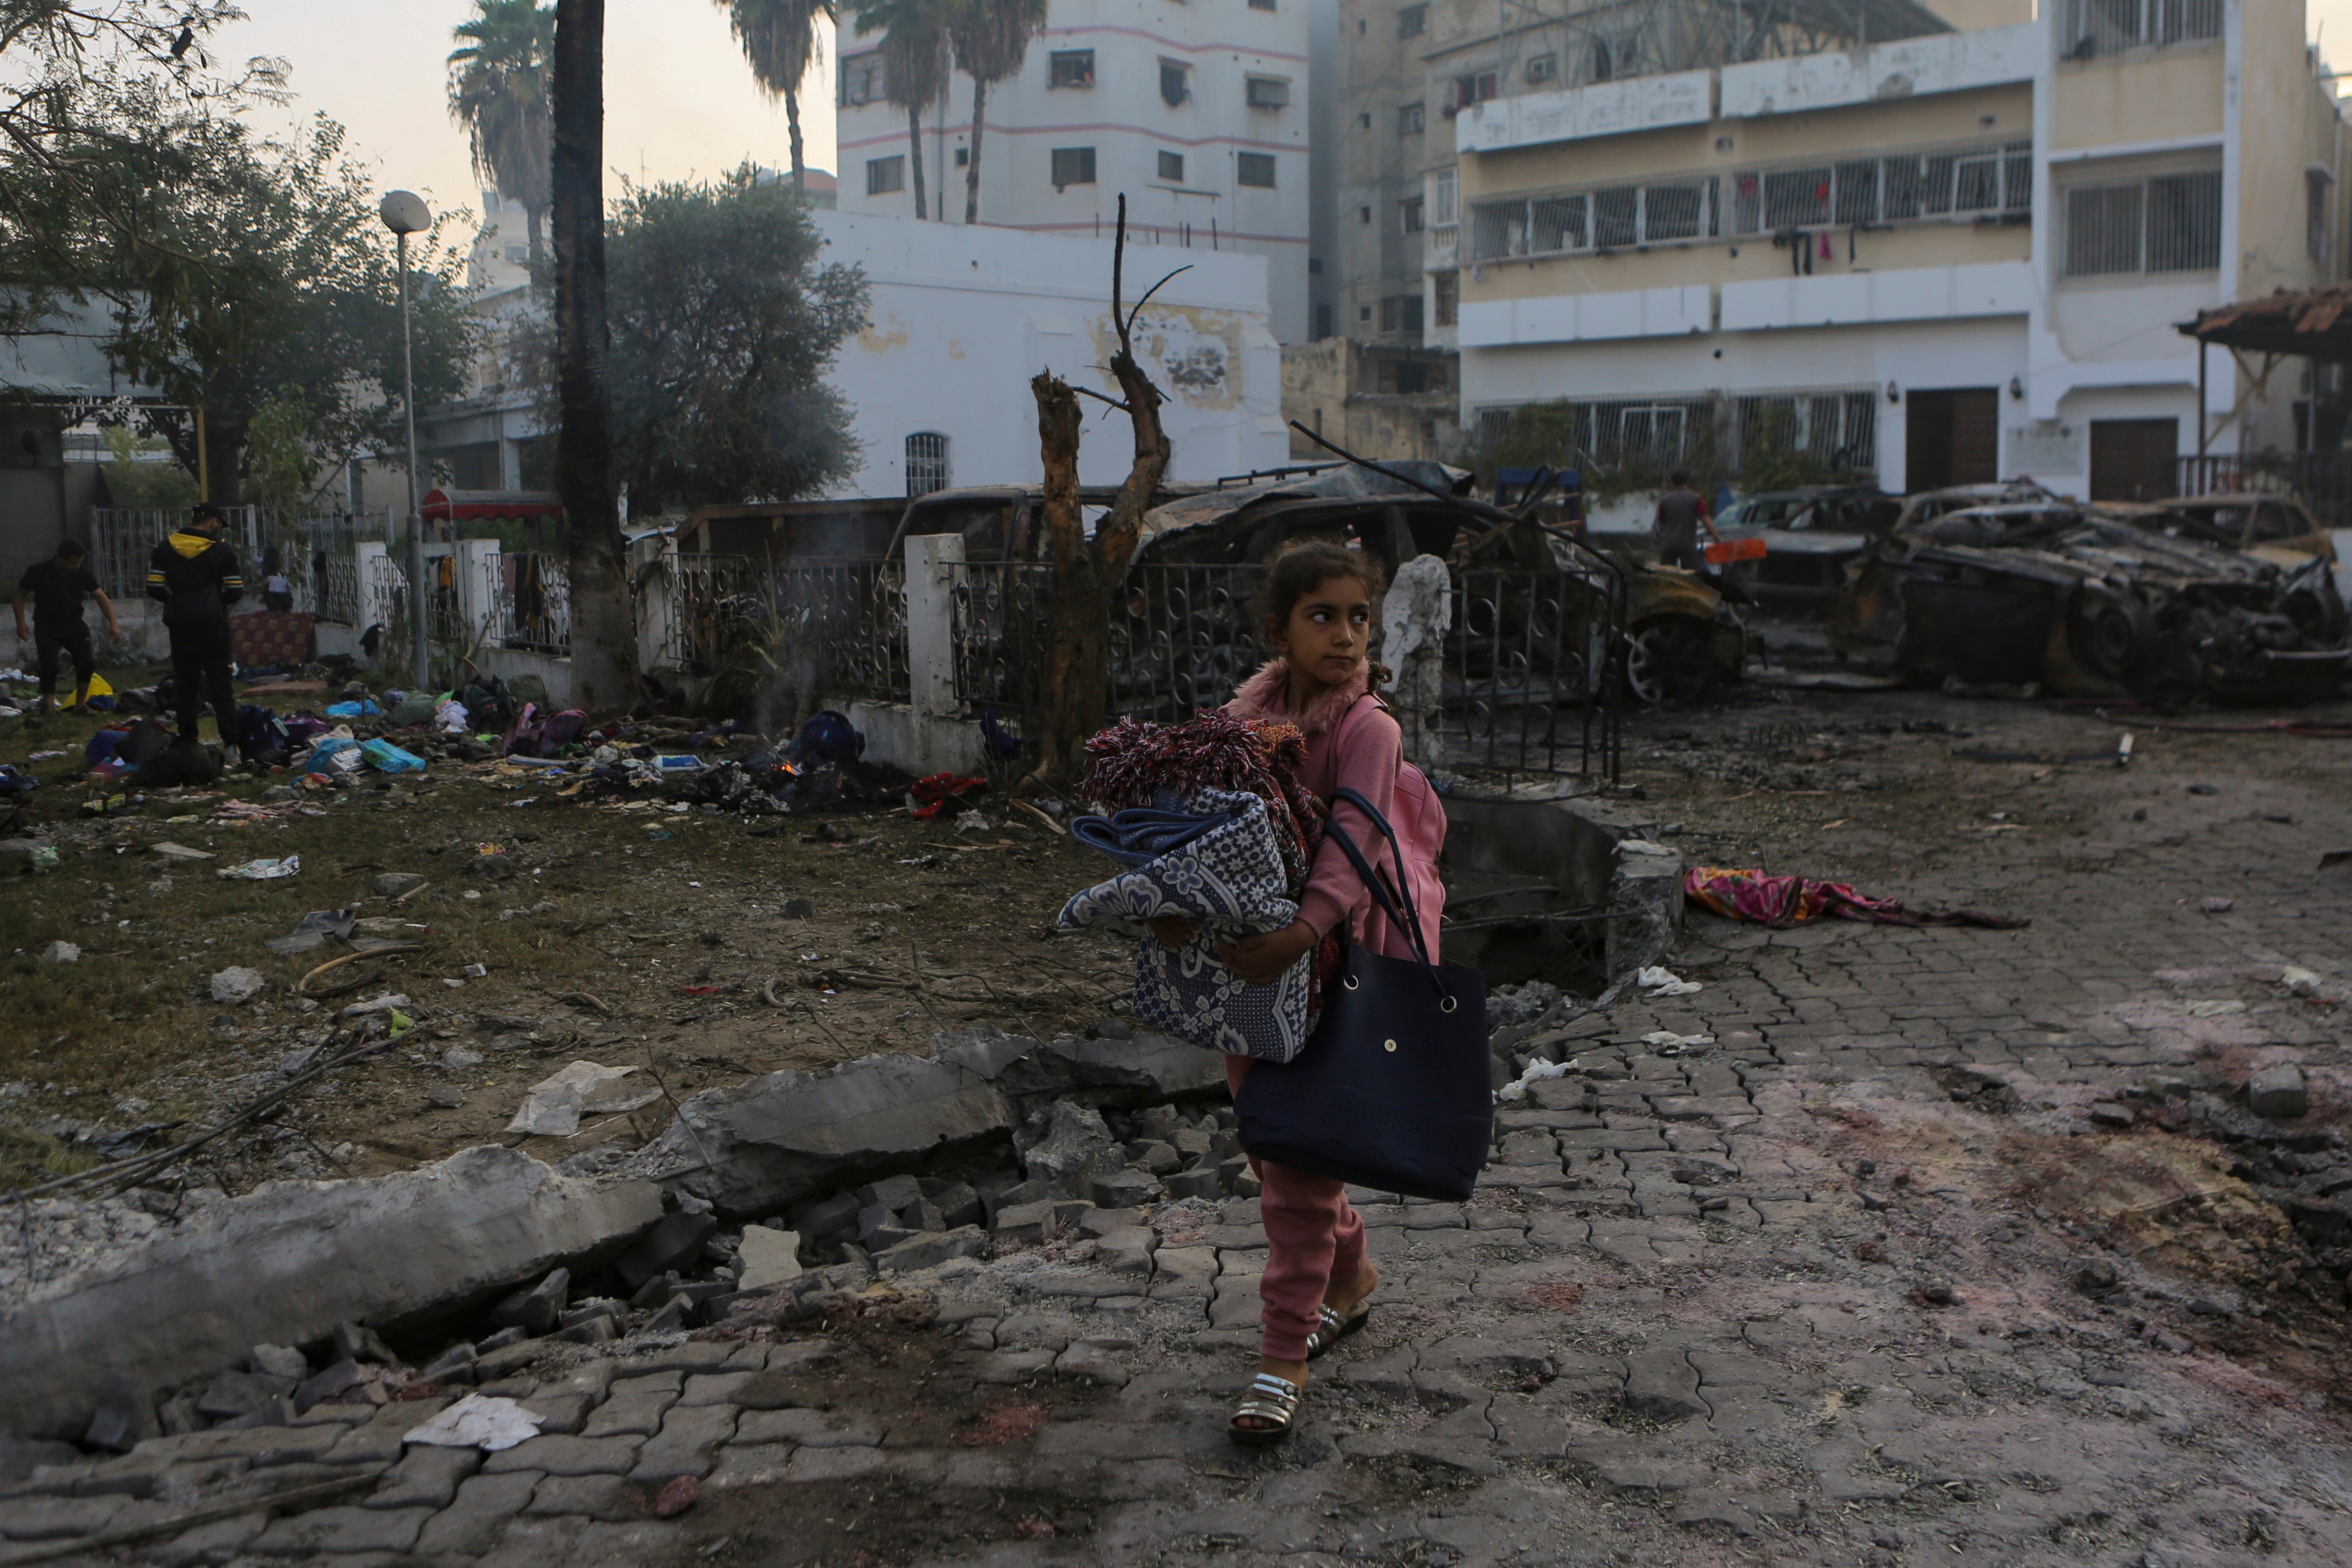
{"points": [[263, 870], [1661, 982], [555, 1104], [478, 1421], [239, 984], [62, 952]]}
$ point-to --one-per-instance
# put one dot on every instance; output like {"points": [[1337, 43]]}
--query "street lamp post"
{"points": [[405, 213]]}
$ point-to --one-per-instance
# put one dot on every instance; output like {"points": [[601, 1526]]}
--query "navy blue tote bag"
{"points": [[1392, 1093]]}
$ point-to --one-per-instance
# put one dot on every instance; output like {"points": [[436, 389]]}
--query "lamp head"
{"points": [[405, 213]]}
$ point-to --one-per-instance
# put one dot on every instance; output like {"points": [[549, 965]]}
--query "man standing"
{"points": [[195, 576], [1682, 512], [58, 586]]}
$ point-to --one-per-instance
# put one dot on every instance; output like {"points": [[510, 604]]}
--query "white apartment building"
{"points": [[1196, 110], [959, 319], [1956, 255]]}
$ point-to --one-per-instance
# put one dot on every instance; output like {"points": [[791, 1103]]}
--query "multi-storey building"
{"points": [[1933, 243], [1196, 112]]}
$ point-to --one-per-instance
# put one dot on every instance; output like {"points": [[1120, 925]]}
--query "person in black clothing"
{"points": [[58, 586], [196, 578]]}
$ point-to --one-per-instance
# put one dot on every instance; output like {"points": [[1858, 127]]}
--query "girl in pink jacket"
{"points": [[1317, 614]]}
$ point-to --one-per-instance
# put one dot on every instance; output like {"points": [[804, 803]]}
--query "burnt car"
{"points": [[2085, 602], [1531, 597], [1811, 537], [1927, 506], [2279, 529]]}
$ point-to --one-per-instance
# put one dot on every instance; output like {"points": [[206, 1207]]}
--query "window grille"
{"points": [[1073, 166], [1070, 68], [1448, 288], [1255, 169], [2097, 27], [1175, 83], [2166, 222], [1412, 120], [1268, 92], [926, 463], [1171, 167], [1413, 21], [1612, 218], [1651, 436], [1989, 181]]}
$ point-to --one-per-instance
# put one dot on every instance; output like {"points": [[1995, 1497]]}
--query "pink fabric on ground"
{"points": [[1313, 1240]]}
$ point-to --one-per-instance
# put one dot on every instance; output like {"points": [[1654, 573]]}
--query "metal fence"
{"points": [[835, 627], [1535, 669], [2323, 480], [122, 538]]}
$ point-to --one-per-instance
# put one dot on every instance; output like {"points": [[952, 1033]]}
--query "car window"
{"points": [[2274, 522]]}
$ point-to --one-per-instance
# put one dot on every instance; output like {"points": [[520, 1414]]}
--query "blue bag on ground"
{"points": [[1228, 881]]}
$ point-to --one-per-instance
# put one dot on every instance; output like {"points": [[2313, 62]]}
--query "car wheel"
{"points": [[1668, 663]]}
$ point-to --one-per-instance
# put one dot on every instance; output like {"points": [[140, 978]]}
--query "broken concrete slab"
{"points": [[2278, 1093], [770, 1257], [288, 1263]]}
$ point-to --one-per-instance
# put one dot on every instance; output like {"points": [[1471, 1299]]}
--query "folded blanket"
{"points": [[1223, 872], [1141, 834]]}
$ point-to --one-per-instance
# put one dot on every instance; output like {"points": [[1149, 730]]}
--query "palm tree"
{"points": [[499, 92], [780, 39], [992, 39], [916, 65]]}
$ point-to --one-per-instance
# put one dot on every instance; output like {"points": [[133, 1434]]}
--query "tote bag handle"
{"points": [[1396, 902]]}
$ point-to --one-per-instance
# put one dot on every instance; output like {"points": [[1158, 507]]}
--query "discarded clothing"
{"points": [[1785, 901], [1141, 834], [1229, 882], [927, 798], [313, 931]]}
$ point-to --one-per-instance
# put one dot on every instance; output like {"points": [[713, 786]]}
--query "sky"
{"points": [[679, 98]]}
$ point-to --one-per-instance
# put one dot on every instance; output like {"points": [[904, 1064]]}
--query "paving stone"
{"points": [[471, 1524], [635, 1408], [595, 1497], [340, 1530], [218, 1541], [714, 1387], [811, 1428], [560, 1456], [687, 1443], [426, 1477], [560, 1414]]}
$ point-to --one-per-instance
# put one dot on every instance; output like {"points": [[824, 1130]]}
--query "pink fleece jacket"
{"points": [[1356, 745]]}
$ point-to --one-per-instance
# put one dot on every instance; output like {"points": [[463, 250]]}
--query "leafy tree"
{"points": [[723, 324], [260, 271], [69, 167], [916, 65], [499, 92], [132, 483], [992, 39], [782, 41]]}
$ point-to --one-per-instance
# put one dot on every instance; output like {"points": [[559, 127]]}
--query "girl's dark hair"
{"points": [[1300, 566]]}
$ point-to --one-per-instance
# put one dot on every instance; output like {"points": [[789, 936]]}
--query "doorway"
{"points": [[2134, 459], [1952, 436]]}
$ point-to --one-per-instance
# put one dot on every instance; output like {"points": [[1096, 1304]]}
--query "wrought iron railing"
{"points": [[835, 627]]}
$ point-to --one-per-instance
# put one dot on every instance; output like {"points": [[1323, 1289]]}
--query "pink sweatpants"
{"points": [[1313, 1240]]}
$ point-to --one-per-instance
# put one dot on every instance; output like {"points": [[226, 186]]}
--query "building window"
{"points": [[1442, 211], [1070, 68], [883, 175], [1476, 87], [1408, 213], [2096, 27], [1413, 21], [963, 157], [1990, 180], [1073, 166], [2317, 185], [1261, 5], [1612, 218], [862, 80], [1838, 425], [1268, 92], [1175, 82], [1543, 67], [926, 463], [1449, 297], [1400, 313], [2166, 222], [522, 253], [1255, 169], [1171, 167], [1411, 119], [1323, 325], [1363, 312]]}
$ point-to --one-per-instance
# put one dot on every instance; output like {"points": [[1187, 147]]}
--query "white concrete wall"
{"points": [[1123, 117], [961, 319]]}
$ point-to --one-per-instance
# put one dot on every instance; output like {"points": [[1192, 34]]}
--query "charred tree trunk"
{"points": [[1089, 574], [603, 629], [972, 174], [792, 125], [915, 159]]}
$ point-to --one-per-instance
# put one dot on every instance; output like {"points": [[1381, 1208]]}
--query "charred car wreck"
{"points": [[2088, 604]]}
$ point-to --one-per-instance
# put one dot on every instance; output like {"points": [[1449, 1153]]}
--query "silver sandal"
{"points": [[1334, 1328], [1270, 1399]]}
